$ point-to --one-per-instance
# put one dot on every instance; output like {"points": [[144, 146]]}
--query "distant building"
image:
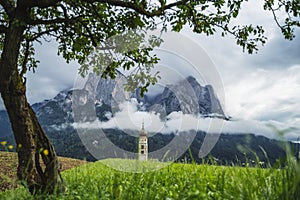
{"points": [[143, 145]]}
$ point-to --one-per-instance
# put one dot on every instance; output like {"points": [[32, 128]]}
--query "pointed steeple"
{"points": [[143, 131], [143, 144]]}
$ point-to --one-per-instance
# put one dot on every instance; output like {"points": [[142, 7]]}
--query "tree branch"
{"points": [[129, 5], [8, 6], [47, 32], [39, 3], [138, 8], [90, 34], [99, 17], [64, 10]]}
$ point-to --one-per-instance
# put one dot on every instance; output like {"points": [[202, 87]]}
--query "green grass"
{"points": [[173, 181]]}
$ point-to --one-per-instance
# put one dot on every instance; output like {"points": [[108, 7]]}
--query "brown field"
{"points": [[9, 163]]}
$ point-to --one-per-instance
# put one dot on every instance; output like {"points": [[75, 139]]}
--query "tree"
{"points": [[80, 26]]}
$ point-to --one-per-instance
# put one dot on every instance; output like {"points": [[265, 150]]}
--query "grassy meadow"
{"points": [[99, 180]]}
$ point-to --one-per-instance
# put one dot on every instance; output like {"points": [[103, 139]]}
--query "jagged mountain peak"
{"points": [[191, 79], [107, 90], [188, 96]]}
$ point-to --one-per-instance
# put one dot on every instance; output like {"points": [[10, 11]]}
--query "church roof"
{"points": [[143, 131]]}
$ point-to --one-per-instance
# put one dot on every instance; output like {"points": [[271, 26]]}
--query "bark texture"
{"points": [[33, 146]]}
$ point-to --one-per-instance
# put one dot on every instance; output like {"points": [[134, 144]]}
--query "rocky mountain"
{"points": [[107, 91], [186, 95], [100, 99], [189, 97]]}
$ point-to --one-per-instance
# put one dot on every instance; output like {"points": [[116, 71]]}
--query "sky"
{"points": [[259, 89]]}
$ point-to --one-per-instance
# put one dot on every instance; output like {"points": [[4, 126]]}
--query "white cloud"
{"points": [[130, 118], [265, 95]]}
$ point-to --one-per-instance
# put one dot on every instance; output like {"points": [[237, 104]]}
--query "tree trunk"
{"points": [[32, 142]]}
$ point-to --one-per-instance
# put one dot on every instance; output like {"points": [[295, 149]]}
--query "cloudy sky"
{"points": [[259, 89]]}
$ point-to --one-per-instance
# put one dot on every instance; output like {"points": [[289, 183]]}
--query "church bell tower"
{"points": [[143, 145]]}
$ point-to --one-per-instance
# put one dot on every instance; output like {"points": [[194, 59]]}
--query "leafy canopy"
{"points": [[81, 26]]}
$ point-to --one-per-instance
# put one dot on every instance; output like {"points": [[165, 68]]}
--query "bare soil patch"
{"points": [[9, 164]]}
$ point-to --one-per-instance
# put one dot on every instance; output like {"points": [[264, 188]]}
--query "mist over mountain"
{"points": [[101, 100]]}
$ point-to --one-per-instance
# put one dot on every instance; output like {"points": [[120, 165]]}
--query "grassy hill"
{"points": [[155, 180]]}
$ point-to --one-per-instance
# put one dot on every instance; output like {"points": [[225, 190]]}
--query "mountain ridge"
{"points": [[99, 100]]}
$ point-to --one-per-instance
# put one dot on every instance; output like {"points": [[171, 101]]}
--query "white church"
{"points": [[143, 145]]}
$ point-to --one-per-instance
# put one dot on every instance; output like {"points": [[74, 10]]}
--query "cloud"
{"points": [[130, 118], [278, 53], [52, 75], [265, 95]]}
